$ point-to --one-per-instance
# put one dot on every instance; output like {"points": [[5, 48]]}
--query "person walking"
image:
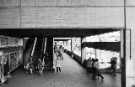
{"points": [[89, 65], [59, 62], [93, 69], [97, 71], [55, 47], [113, 66]]}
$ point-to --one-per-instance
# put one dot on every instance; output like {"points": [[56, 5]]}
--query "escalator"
{"points": [[40, 48], [27, 49]]}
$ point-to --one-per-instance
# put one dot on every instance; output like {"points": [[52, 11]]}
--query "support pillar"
{"points": [[49, 51]]}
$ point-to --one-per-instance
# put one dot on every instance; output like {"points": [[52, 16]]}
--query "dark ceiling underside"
{"points": [[61, 39], [73, 32], [112, 46]]}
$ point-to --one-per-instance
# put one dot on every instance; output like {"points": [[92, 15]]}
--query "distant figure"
{"points": [[98, 73], [29, 66], [26, 67], [89, 65], [40, 66], [55, 47], [59, 62], [95, 69], [113, 65]]}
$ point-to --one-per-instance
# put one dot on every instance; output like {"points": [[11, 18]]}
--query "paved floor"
{"points": [[72, 75]]}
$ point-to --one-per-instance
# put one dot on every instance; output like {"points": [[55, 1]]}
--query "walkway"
{"points": [[72, 75]]}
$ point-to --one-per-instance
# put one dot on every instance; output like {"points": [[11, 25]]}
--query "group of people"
{"points": [[59, 57], [93, 66], [37, 65]]}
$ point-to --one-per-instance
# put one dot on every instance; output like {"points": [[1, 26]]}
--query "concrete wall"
{"points": [[60, 13], [131, 62]]}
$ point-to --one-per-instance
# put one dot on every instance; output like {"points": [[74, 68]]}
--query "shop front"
{"points": [[11, 54]]}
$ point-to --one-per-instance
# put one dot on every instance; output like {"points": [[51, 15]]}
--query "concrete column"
{"points": [[71, 44], [49, 50], [81, 48]]}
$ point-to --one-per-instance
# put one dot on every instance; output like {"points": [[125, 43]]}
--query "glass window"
{"points": [[104, 57], [76, 45], [106, 37]]}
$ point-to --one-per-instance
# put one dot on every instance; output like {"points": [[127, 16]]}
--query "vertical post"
{"points": [[81, 49], [23, 60], [130, 44], [42, 47], [95, 54], [49, 50], [34, 46], [122, 59], [123, 77], [45, 41], [71, 44]]}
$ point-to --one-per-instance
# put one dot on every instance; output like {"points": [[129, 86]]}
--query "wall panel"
{"points": [[9, 3], [80, 17], [72, 2], [52, 13], [28, 18], [28, 3], [130, 2], [9, 18]]}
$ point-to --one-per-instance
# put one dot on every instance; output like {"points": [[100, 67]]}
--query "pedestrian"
{"points": [[27, 67], [113, 66], [55, 47], [40, 66], [93, 69], [89, 65], [59, 62], [97, 71]]}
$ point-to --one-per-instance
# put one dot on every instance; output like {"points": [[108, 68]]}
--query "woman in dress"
{"points": [[59, 62]]}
